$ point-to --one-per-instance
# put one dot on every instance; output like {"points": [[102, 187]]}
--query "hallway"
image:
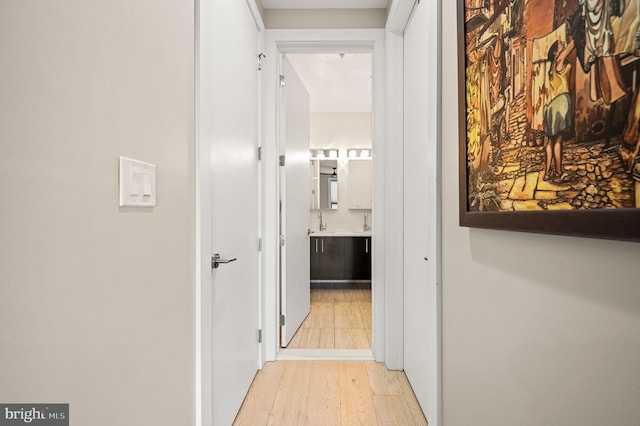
{"points": [[329, 393]]}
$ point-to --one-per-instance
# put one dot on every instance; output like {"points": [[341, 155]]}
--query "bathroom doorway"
{"points": [[329, 305]]}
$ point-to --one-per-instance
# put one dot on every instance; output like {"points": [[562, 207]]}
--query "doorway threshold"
{"points": [[325, 354]]}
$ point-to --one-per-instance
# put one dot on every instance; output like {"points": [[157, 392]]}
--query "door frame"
{"points": [[204, 56], [321, 41]]}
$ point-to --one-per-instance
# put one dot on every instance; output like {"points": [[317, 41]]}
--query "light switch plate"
{"points": [[137, 183]]}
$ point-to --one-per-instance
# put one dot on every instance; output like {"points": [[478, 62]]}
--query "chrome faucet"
{"points": [[323, 226], [366, 226]]}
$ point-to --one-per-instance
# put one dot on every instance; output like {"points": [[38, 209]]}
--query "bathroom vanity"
{"points": [[337, 256]]}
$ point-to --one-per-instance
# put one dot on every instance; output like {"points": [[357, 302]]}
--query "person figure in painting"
{"points": [[558, 110], [630, 148]]}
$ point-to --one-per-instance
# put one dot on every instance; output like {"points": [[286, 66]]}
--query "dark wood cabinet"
{"points": [[314, 249], [340, 258], [332, 254], [357, 262], [327, 258]]}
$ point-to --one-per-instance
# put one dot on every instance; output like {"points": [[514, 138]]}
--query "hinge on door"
{"points": [[282, 320], [282, 240], [282, 161], [261, 56], [259, 153], [259, 244], [259, 336], [282, 81]]}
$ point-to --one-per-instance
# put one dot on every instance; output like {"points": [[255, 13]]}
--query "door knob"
{"points": [[217, 261]]}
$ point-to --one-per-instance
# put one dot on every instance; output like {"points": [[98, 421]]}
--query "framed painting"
{"points": [[550, 116]]}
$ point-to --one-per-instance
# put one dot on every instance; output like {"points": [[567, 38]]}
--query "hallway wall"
{"points": [[537, 329], [96, 301], [324, 18]]}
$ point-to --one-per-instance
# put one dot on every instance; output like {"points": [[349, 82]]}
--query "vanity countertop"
{"points": [[341, 234]]}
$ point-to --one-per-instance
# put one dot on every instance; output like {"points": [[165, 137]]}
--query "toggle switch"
{"points": [[137, 183], [146, 185], [134, 184]]}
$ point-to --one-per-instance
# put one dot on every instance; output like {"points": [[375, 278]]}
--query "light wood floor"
{"points": [[329, 393], [340, 318]]}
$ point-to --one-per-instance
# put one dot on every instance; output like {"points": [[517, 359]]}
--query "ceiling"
{"points": [[335, 82], [324, 4]]}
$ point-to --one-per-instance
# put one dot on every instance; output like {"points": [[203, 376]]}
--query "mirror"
{"points": [[324, 184], [360, 184]]}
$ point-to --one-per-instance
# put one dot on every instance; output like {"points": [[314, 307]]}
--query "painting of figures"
{"points": [[551, 118]]}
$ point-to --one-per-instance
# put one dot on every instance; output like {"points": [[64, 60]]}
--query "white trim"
{"points": [[399, 14], [326, 354], [321, 41], [326, 4], [394, 187], [198, 224], [261, 188], [253, 7], [204, 355], [438, 227]]}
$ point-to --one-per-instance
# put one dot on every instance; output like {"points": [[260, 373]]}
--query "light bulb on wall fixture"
{"points": [[353, 153], [333, 153], [364, 153]]}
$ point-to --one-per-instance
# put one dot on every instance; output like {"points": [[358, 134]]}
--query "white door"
{"points": [[295, 187], [228, 134], [421, 208]]}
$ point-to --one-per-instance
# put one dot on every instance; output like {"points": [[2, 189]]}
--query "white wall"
{"points": [[97, 302], [537, 329], [341, 130], [324, 18]]}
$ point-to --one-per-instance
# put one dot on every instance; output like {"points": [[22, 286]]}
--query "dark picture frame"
{"points": [[531, 86]]}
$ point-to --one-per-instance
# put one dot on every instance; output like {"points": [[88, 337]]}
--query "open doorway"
{"points": [[279, 43], [326, 280]]}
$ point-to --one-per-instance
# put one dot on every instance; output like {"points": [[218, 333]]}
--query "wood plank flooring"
{"points": [[329, 393], [340, 318]]}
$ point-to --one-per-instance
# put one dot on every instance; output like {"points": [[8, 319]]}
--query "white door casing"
{"points": [[295, 189], [422, 291], [322, 41], [227, 129]]}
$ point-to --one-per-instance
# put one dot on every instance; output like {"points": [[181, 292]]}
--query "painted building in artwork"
{"points": [[509, 69]]}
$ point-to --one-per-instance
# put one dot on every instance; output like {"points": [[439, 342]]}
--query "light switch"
{"points": [[146, 185], [137, 183], [134, 185]]}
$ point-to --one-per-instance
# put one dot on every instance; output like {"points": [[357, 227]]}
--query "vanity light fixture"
{"points": [[340, 153]]}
